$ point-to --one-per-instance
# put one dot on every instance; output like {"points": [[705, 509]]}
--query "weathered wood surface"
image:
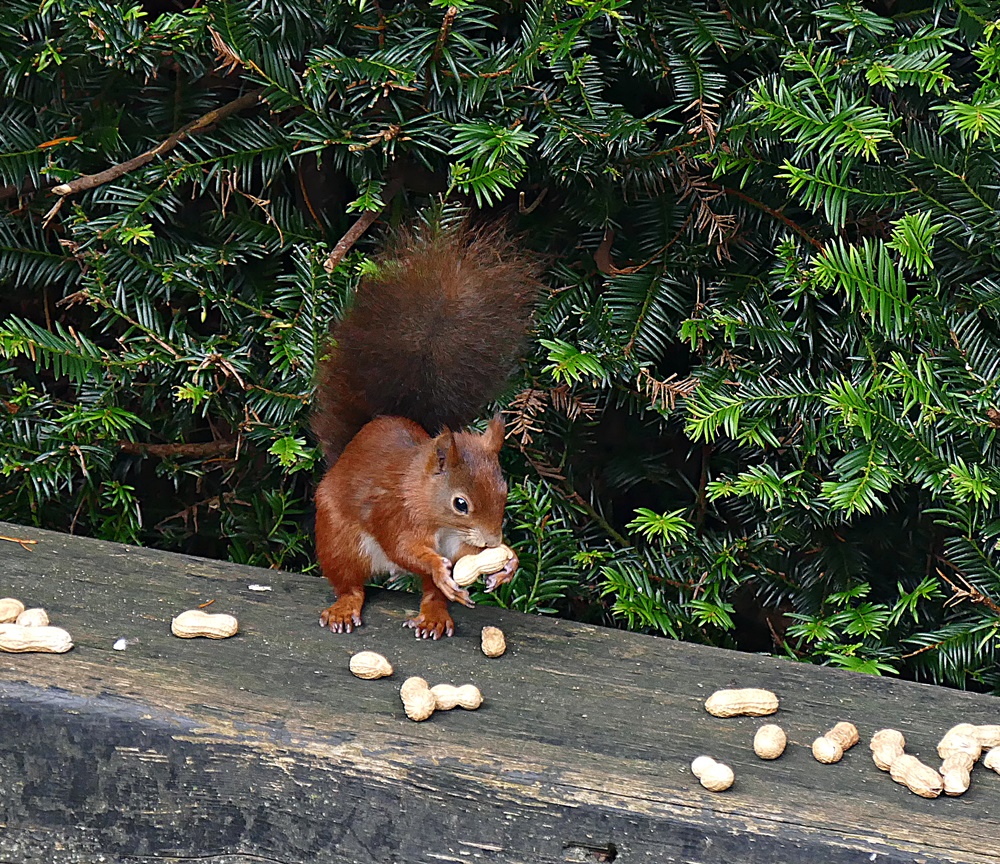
{"points": [[264, 748]]}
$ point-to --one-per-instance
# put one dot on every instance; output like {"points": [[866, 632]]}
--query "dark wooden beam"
{"points": [[264, 748]]}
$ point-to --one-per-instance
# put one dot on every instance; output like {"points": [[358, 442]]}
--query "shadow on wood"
{"points": [[264, 748]]}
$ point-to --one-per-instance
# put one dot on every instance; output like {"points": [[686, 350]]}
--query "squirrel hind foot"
{"points": [[343, 616], [431, 625]]}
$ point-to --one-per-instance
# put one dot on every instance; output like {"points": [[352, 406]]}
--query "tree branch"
{"points": [[777, 214], [203, 450], [90, 181], [358, 228]]}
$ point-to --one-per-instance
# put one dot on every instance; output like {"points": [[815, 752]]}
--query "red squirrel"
{"points": [[430, 340]]}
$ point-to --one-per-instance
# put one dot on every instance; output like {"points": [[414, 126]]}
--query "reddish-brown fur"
{"points": [[432, 337]]}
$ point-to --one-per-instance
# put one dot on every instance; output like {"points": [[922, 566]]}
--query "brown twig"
{"points": [[358, 228], [530, 208], [21, 541], [776, 214], [603, 255], [202, 450], [90, 181], [970, 593], [449, 19]]}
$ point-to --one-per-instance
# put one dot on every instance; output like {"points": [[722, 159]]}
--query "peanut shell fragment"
{"points": [[418, 701], [770, 741], [17, 639], [447, 697], [469, 568], [493, 641], [33, 618], [370, 665], [714, 776], [10, 609], [750, 702], [212, 625]]}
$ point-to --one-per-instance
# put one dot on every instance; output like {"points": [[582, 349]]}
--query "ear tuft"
{"points": [[494, 434], [443, 452]]}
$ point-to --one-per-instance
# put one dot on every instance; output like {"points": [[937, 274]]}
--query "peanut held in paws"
{"points": [[469, 568]]}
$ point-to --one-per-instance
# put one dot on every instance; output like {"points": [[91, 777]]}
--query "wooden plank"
{"points": [[264, 748]]}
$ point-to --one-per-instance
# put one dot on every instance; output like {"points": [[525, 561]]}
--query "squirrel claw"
{"points": [[495, 580], [427, 627], [340, 620]]}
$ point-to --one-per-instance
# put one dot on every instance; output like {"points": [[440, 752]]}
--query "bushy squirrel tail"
{"points": [[433, 335]]}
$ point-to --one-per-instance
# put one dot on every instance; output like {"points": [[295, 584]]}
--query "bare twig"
{"points": [[21, 541], [969, 592], [776, 214], [202, 450], [530, 208], [90, 181], [358, 228]]}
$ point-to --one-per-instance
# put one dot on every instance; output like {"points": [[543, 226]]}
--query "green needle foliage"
{"points": [[762, 401]]}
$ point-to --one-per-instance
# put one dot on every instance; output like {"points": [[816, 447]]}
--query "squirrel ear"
{"points": [[494, 434], [442, 449]]}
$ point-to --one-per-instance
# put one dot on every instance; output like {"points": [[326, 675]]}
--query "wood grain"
{"points": [[264, 747]]}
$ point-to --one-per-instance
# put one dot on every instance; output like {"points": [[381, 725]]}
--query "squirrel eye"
{"points": [[460, 505]]}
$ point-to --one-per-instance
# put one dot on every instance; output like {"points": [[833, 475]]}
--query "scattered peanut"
{"points": [[959, 749], [418, 701], [194, 622], [33, 618], [412, 684], [447, 697], [750, 701], [493, 641], [10, 609], [17, 639], [987, 736], [956, 772], [830, 747], [714, 776], [469, 568], [369, 665], [920, 779], [960, 739], [887, 751], [886, 746], [770, 741], [992, 759]]}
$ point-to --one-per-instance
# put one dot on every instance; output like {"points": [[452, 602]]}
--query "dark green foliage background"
{"points": [[761, 405]]}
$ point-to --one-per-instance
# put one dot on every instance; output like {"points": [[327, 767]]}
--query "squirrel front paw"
{"points": [[448, 586], [432, 624], [496, 579], [344, 615]]}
